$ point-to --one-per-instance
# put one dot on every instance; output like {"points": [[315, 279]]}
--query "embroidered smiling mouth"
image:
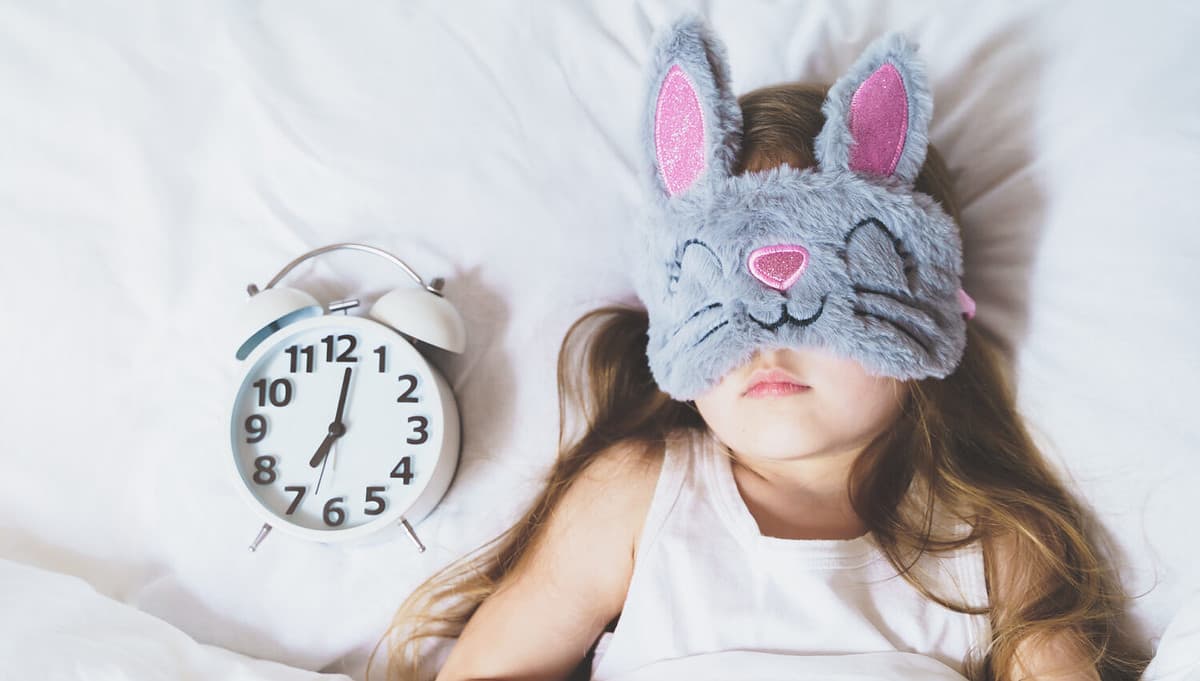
{"points": [[787, 318]]}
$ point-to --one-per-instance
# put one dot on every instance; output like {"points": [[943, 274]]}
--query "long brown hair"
{"points": [[958, 444]]}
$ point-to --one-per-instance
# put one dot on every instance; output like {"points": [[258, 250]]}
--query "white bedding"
{"points": [[158, 157], [746, 665], [58, 628]]}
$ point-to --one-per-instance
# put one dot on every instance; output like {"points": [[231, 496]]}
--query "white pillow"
{"points": [[1177, 656]]}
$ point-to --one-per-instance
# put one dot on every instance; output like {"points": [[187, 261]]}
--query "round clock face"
{"points": [[336, 425]]}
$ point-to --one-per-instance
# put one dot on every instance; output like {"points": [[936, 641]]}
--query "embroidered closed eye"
{"points": [[875, 255], [883, 273], [694, 261], [705, 254]]}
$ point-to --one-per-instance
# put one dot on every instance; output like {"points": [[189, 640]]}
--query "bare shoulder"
{"points": [[619, 484], [570, 582], [627, 465]]}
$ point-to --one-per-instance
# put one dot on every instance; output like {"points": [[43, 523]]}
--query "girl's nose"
{"points": [[778, 266]]}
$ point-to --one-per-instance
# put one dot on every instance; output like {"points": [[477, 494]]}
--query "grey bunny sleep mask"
{"points": [[845, 256]]}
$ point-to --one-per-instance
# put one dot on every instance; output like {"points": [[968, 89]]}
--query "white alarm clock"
{"points": [[341, 428]]}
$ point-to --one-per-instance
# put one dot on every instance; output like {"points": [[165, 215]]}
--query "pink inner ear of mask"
{"points": [[879, 122], [678, 132]]}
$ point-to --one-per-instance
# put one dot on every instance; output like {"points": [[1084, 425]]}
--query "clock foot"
{"points": [[262, 534], [412, 535]]}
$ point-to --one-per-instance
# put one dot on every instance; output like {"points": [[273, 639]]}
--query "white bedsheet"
{"points": [[157, 157]]}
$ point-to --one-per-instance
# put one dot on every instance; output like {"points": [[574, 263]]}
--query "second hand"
{"points": [[322, 475], [336, 430]]}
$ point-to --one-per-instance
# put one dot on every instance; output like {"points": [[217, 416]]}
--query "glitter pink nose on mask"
{"points": [[778, 266]]}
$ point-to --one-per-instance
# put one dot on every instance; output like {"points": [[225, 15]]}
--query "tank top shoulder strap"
{"points": [[672, 477], [677, 462]]}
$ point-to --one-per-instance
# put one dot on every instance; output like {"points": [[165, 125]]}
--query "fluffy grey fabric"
{"points": [[882, 280]]}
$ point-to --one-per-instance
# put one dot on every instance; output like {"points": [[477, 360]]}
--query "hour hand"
{"points": [[336, 430]]}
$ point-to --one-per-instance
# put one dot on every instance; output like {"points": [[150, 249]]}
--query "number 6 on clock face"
{"points": [[341, 427]]}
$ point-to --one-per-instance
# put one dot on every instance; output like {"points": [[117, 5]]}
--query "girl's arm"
{"points": [[546, 614], [1052, 659]]}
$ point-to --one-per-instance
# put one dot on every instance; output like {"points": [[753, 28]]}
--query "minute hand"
{"points": [[337, 428], [342, 398]]}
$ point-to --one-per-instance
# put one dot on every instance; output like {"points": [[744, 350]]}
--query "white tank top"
{"points": [[706, 580]]}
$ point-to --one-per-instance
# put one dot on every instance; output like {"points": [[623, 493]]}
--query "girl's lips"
{"points": [[775, 389], [775, 382]]}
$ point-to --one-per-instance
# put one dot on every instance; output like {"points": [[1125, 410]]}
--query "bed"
{"points": [[157, 158]]}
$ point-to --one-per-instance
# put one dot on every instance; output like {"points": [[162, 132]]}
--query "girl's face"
{"points": [[837, 408]]}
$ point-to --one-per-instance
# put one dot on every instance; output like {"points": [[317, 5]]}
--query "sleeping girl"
{"points": [[802, 458]]}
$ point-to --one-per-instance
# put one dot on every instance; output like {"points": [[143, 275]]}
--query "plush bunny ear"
{"points": [[693, 124], [877, 114]]}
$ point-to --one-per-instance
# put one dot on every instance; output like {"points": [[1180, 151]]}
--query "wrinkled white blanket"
{"points": [[58, 628], [744, 665]]}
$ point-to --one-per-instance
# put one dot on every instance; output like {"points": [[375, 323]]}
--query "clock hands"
{"points": [[337, 428]]}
